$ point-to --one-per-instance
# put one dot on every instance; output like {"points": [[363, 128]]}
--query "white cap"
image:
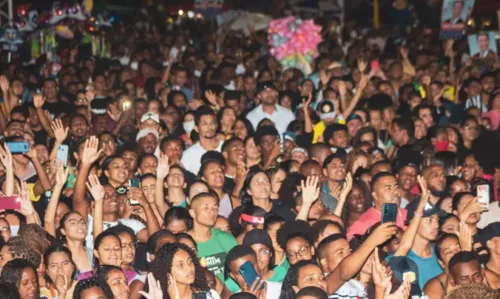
{"points": [[145, 132], [150, 115]]}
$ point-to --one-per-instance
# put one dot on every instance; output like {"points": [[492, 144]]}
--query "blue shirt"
{"points": [[329, 201]]}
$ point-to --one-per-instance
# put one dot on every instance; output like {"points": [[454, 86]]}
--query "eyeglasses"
{"points": [[469, 127], [130, 246], [303, 251]]}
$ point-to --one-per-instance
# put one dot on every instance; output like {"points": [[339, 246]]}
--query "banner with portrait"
{"points": [[454, 17], [483, 45]]}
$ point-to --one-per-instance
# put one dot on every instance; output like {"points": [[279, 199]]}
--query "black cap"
{"points": [[257, 236], [403, 267], [266, 84], [353, 116], [489, 232], [429, 210]]}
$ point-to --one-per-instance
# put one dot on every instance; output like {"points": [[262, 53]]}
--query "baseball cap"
{"points": [[353, 116], [403, 267], [429, 210], [150, 115], [266, 84], [257, 236], [326, 109], [145, 132], [489, 232]]}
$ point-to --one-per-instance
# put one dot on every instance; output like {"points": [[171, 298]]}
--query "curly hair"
{"points": [[291, 279], [20, 250], [474, 290], [89, 283], [35, 236], [162, 267]]}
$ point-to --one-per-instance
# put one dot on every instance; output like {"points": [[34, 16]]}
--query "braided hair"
{"points": [[162, 267], [89, 283]]}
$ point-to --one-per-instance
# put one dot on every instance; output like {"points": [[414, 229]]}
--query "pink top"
{"points": [[494, 117], [369, 218]]}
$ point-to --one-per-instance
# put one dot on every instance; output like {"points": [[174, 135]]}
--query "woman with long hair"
{"points": [[20, 274], [60, 271], [179, 273], [113, 279]]}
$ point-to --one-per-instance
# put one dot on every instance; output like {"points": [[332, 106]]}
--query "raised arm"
{"points": [[60, 133], [38, 101], [5, 86], [359, 92], [50, 213], [308, 127], [151, 221], [6, 158], [97, 190], [352, 264], [161, 173], [409, 235], [310, 193], [27, 208], [90, 154], [44, 184], [166, 74], [346, 189]]}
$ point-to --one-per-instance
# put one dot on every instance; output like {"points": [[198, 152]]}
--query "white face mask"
{"points": [[14, 229], [188, 126]]}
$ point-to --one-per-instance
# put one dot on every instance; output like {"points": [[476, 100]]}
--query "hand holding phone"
{"points": [[62, 154], [18, 147], [249, 274], [134, 183]]}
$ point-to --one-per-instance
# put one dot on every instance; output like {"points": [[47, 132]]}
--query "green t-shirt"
{"points": [[213, 252]]}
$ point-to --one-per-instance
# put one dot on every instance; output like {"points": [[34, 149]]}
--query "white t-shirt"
{"points": [[281, 117], [192, 156], [133, 224], [352, 289], [225, 206]]}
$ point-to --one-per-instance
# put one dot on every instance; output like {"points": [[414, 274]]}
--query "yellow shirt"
{"points": [[33, 197]]}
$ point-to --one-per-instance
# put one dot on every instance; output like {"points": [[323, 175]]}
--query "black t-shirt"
{"points": [[58, 107], [41, 137]]}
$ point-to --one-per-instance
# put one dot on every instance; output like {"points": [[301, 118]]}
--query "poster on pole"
{"points": [[454, 17]]}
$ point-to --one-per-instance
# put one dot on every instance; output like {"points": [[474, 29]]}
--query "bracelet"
{"points": [[418, 214]]}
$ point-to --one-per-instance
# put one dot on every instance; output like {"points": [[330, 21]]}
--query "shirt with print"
{"points": [[212, 253]]}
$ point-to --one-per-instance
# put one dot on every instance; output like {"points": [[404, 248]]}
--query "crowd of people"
{"points": [[191, 164]]}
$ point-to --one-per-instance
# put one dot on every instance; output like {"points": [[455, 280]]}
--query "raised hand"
{"points": [[402, 292], [61, 175], [211, 97], [163, 167], [310, 189], [306, 103], [4, 83], [404, 52], [426, 193], [27, 208], [113, 111], [362, 65], [90, 93], [154, 288], [381, 278], [173, 291], [473, 207], [91, 151], [6, 157], [382, 233], [95, 188], [60, 132], [464, 237], [241, 173], [342, 88], [38, 100], [347, 187]]}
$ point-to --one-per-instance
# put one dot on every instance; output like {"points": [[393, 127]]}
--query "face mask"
{"points": [[188, 126], [441, 146], [13, 230]]}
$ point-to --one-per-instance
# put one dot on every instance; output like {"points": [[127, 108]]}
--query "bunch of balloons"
{"points": [[294, 42]]}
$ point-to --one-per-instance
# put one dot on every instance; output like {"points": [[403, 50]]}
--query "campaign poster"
{"points": [[482, 45], [454, 17]]}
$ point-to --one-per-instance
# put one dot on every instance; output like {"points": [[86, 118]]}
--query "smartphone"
{"points": [[389, 212], [18, 147], [248, 272], [375, 66], [10, 203], [483, 193], [135, 182], [62, 154]]}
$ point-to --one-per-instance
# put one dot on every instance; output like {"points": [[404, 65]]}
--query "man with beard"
{"points": [[268, 108], [206, 126], [435, 179]]}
